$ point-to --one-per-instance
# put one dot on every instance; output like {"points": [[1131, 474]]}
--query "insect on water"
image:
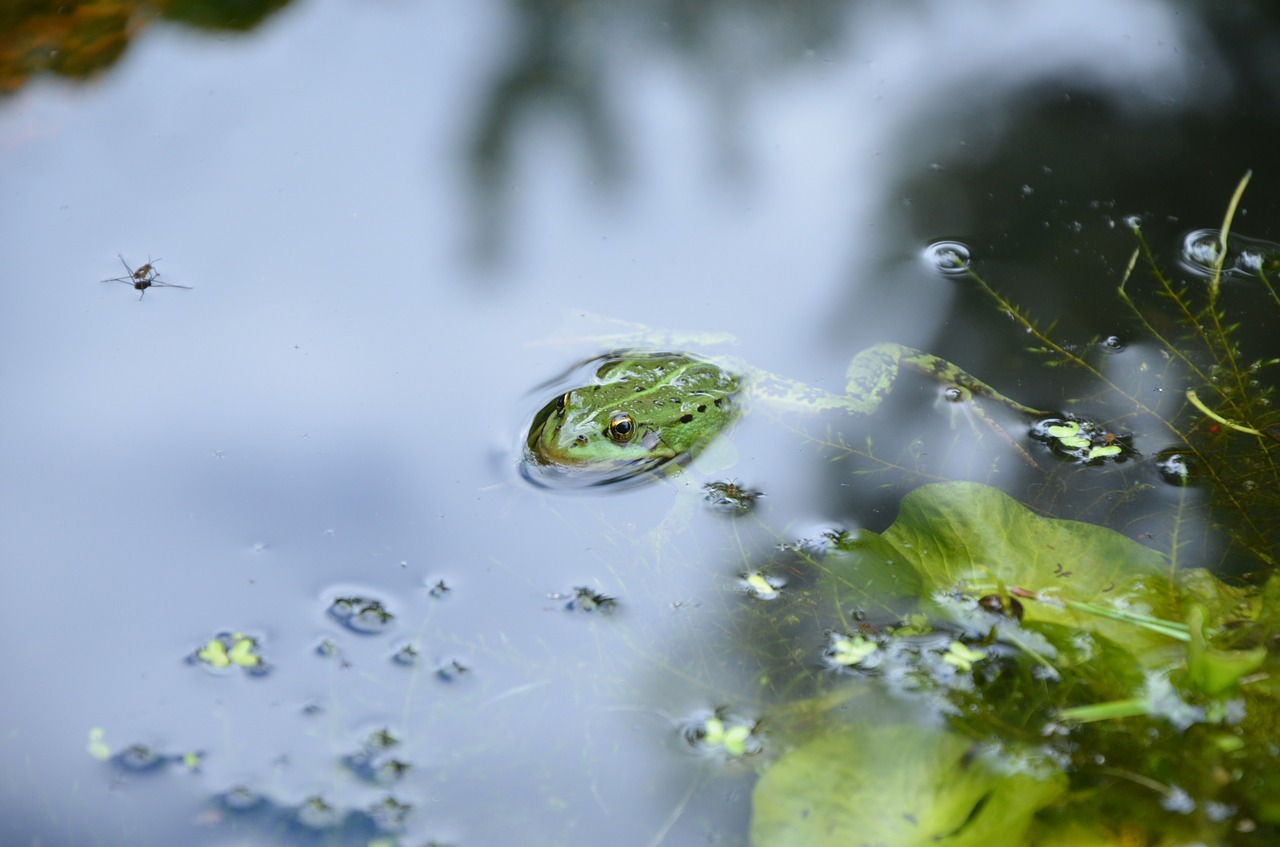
{"points": [[143, 277]]}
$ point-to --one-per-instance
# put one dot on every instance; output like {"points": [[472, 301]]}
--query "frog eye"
{"points": [[621, 428], [561, 402]]}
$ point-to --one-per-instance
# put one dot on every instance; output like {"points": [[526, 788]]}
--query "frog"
{"points": [[642, 412]]}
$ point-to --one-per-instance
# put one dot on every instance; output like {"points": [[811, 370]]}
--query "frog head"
{"points": [[639, 412]]}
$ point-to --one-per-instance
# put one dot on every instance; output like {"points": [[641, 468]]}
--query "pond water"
{"points": [[397, 223]]}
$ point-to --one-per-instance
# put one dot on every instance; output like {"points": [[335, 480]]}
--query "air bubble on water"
{"points": [[1133, 222], [1203, 253], [1112, 344], [1249, 261], [948, 257], [1200, 250], [1174, 467]]}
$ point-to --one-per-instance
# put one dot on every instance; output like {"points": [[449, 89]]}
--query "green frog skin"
{"points": [[642, 410]]}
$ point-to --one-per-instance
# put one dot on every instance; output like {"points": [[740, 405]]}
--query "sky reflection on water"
{"points": [[337, 403]]}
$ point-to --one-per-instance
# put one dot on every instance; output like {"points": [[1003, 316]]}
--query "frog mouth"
{"points": [[619, 475]]}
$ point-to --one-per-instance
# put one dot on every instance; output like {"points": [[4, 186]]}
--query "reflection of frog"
{"points": [[642, 410]]}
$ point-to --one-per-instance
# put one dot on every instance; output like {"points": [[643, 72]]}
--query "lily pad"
{"points": [[868, 571], [964, 536], [901, 785]]}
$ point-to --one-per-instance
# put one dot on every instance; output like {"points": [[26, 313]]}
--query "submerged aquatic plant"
{"points": [[1212, 406], [1109, 671], [1131, 689]]}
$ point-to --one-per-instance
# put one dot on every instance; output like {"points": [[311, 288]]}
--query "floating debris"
{"points": [[361, 614], [1082, 440], [731, 497], [587, 600]]}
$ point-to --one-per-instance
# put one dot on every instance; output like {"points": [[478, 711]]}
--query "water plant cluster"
{"points": [[989, 672]]}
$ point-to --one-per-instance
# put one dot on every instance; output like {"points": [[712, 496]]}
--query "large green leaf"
{"points": [[1177, 660], [958, 535], [899, 786]]}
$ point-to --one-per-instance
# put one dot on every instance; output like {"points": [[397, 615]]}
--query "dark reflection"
{"points": [[563, 62], [562, 66], [80, 40], [1077, 158], [74, 41], [236, 15], [557, 66], [1046, 213]]}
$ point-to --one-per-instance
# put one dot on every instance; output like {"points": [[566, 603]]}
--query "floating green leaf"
{"points": [[242, 652], [901, 785], [1215, 672], [733, 738], [961, 657], [870, 572], [967, 536], [848, 651], [97, 747], [214, 654], [231, 648]]}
